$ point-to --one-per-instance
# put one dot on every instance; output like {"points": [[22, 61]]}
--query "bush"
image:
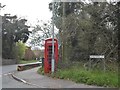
{"points": [[20, 50]]}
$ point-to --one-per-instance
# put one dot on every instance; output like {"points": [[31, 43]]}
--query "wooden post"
{"points": [[89, 64], [103, 65]]}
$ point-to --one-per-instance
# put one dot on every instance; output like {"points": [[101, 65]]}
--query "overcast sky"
{"points": [[32, 10], [29, 9]]}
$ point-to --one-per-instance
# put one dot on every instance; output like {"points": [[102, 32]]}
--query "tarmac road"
{"points": [[7, 79]]}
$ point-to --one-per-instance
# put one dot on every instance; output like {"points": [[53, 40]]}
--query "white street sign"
{"points": [[97, 56]]}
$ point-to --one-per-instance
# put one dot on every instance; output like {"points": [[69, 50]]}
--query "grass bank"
{"points": [[80, 75], [93, 77]]}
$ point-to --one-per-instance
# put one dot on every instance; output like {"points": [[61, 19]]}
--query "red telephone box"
{"points": [[48, 54]]}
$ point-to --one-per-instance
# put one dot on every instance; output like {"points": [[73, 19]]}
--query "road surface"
{"points": [[8, 81]]}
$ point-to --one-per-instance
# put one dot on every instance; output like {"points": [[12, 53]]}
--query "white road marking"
{"points": [[5, 74]]}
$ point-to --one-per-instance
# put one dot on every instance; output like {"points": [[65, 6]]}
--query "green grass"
{"points": [[94, 77], [40, 71], [25, 61]]}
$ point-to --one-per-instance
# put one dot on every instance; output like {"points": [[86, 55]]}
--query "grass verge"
{"points": [[40, 71], [25, 61], [93, 77]]}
